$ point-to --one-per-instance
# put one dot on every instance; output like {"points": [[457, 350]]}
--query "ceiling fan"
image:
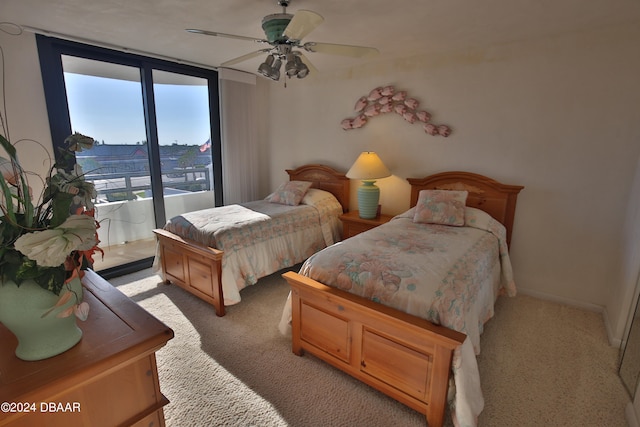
{"points": [[284, 33]]}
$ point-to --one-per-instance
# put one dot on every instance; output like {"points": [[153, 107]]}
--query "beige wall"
{"points": [[559, 116], [26, 112]]}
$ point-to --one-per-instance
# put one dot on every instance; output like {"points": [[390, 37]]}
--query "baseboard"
{"points": [[613, 341], [630, 415], [566, 301]]}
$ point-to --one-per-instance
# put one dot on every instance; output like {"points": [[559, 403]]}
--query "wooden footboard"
{"points": [[193, 267], [403, 356]]}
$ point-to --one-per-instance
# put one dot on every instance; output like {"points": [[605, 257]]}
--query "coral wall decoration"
{"points": [[387, 100]]}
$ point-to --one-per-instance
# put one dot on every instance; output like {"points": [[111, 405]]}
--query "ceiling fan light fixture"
{"points": [[292, 67], [303, 70], [295, 66], [266, 67], [275, 70]]}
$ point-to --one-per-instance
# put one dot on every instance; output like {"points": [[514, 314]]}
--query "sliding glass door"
{"points": [[105, 102], [157, 140]]}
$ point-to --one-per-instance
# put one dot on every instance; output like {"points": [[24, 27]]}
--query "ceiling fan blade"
{"points": [[308, 63], [302, 23], [244, 57], [230, 36], [341, 49]]}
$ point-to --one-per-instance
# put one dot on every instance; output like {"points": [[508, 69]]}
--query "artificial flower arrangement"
{"points": [[53, 238]]}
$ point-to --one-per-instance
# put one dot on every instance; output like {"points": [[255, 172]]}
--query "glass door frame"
{"points": [[50, 51]]}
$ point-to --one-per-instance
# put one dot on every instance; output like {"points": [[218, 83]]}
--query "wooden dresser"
{"points": [[108, 379]]}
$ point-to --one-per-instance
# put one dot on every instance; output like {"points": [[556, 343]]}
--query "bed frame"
{"points": [[198, 268], [403, 356]]}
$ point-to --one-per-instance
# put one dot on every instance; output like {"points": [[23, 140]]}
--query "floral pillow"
{"points": [[441, 207], [289, 193]]}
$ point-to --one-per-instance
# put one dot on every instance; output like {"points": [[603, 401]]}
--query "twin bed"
{"points": [[400, 307], [214, 253]]}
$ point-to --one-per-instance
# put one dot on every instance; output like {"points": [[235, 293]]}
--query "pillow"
{"points": [[441, 207], [314, 196], [474, 217], [289, 193]]}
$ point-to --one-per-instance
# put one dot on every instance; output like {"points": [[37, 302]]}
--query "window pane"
{"points": [[182, 115]]}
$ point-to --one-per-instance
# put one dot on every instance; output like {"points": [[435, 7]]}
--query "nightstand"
{"points": [[352, 224]]}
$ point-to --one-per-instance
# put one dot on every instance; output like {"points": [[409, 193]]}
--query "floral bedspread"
{"points": [[445, 274], [259, 238]]}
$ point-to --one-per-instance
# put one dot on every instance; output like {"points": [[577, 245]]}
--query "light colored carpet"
{"points": [[542, 364]]}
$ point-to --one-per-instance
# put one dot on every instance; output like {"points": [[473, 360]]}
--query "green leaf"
{"points": [[51, 279], [8, 199], [27, 270], [28, 205], [8, 147], [61, 204], [11, 262], [23, 195]]}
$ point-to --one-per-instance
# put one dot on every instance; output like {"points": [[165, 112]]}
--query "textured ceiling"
{"points": [[398, 29]]}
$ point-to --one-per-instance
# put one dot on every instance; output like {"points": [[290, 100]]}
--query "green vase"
{"points": [[21, 311]]}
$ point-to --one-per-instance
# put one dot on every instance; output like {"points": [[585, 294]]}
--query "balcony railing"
{"points": [[125, 206], [113, 187]]}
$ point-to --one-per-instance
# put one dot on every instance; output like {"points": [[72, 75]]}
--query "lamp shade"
{"points": [[368, 166]]}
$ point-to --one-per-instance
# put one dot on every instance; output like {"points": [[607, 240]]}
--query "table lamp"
{"points": [[368, 167]]}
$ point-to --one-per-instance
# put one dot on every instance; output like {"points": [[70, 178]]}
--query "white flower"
{"points": [[50, 248]]}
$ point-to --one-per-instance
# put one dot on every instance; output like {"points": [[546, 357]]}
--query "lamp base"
{"points": [[368, 197]]}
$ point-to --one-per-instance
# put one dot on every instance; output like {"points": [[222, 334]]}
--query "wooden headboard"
{"points": [[324, 178], [498, 200]]}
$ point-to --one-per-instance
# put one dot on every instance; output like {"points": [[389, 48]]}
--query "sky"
{"points": [[110, 110]]}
